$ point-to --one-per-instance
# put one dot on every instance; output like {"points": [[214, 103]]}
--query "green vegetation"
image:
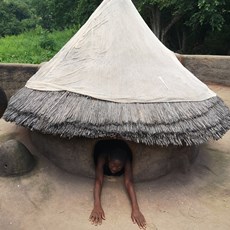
{"points": [[184, 25], [16, 16], [35, 46], [29, 28]]}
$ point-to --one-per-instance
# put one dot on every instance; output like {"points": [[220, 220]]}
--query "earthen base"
{"points": [[149, 162]]}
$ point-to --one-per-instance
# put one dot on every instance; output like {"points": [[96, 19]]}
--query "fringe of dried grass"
{"points": [[68, 114]]}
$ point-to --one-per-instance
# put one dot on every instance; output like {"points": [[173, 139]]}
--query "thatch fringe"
{"points": [[68, 114]]}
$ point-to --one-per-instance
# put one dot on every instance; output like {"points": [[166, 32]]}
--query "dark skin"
{"points": [[97, 214]]}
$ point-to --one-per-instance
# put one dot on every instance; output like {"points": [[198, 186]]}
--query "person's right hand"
{"points": [[97, 215], [138, 218]]}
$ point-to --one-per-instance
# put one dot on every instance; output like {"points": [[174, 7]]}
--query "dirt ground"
{"points": [[49, 198]]}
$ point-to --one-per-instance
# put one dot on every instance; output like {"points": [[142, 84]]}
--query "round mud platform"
{"points": [[149, 162]]}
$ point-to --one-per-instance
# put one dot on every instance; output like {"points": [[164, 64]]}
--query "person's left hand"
{"points": [[138, 218]]}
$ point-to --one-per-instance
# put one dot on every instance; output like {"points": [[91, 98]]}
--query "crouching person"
{"points": [[114, 158]]}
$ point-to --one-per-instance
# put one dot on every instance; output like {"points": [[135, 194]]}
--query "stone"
{"points": [[3, 102], [15, 159], [149, 162]]}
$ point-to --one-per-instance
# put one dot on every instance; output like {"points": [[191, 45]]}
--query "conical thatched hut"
{"points": [[115, 79]]}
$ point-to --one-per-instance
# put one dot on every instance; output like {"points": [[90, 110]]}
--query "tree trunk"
{"points": [[184, 41], [179, 39], [155, 21], [165, 30]]}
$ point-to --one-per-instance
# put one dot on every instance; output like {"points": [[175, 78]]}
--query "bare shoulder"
{"points": [[101, 161], [128, 169]]}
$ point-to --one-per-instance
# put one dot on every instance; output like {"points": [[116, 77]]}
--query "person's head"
{"points": [[117, 152], [117, 159], [115, 166]]}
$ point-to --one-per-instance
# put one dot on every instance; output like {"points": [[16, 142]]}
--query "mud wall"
{"points": [[14, 76], [210, 69], [149, 162]]}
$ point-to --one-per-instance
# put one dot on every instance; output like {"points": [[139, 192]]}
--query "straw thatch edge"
{"points": [[69, 114]]}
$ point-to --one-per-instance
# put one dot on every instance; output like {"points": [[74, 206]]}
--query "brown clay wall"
{"points": [[210, 69], [14, 76]]}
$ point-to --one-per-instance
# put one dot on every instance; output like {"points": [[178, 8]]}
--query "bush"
{"points": [[47, 42], [33, 47], [15, 18]]}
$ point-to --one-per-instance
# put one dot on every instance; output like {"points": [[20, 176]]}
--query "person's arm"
{"points": [[137, 216], [97, 214]]}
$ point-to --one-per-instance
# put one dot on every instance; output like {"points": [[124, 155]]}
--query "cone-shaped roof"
{"points": [[116, 57], [114, 78]]}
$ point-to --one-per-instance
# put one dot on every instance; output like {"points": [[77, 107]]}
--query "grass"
{"points": [[33, 47]]}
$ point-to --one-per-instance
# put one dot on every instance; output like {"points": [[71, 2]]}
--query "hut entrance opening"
{"points": [[115, 153]]}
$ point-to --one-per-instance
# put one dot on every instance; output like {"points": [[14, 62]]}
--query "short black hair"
{"points": [[113, 149]]}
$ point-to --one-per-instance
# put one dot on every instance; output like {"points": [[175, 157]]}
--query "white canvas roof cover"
{"points": [[116, 57]]}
